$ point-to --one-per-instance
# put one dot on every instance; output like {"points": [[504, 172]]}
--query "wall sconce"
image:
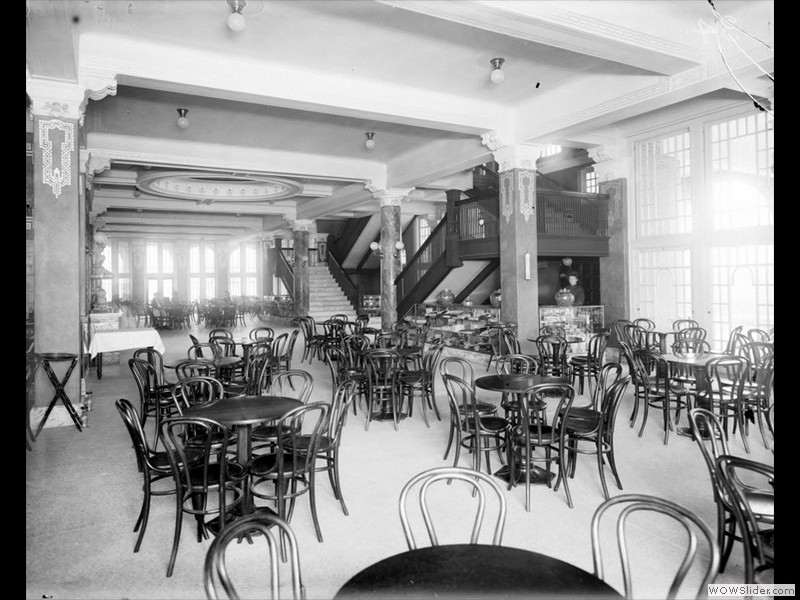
{"points": [[183, 121], [370, 143], [398, 249], [497, 74]]}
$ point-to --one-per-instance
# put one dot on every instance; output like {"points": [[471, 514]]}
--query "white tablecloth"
{"points": [[125, 339]]}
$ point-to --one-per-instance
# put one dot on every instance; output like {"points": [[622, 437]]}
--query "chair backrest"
{"points": [[204, 350], [289, 351], [609, 374], [343, 397], [204, 445], [227, 346], [610, 402], [220, 333], [477, 484], [679, 324], [133, 424], [155, 358], [534, 429], [758, 353], [510, 364], [193, 391], [196, 368], [279, 345], [731, 470], [194, 339], [624, 509], [413, 336], [712, 445], [727, 376], [553, 330], [636, 336], [697, 333], [460, 367], [645, 323], [686, 346], [509, 344], [260, 333], [295, 383], [552, 351], [383, 365], [389, 340], [758, 335], [618, 327], [259, 371], [430, 358], [596, 348], [146, 381], [731, 346], [297, 450], [275, 531]]}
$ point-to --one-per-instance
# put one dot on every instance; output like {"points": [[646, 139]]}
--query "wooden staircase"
{"points": [[325, 297]]}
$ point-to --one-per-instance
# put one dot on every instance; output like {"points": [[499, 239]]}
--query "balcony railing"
{"points": [[569, 214]]}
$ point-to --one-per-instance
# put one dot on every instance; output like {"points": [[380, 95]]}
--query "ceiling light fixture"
{"points": [[235, 19], [182, 121], [370, 143], [497, 74]]}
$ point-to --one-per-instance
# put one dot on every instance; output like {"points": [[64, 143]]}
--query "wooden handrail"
{"points": [[285, 272]]}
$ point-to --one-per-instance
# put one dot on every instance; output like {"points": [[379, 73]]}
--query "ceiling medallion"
{"points": [[217, 187]]}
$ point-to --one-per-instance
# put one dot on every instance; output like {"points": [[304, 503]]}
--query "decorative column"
{"points": [[321, 240], [301, 268], [389, 256], [611, 166], [59, 265], [519, 279], [267, 266], [182, 273]]}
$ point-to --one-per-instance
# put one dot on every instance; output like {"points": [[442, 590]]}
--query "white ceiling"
{"points": [[293, 94]]}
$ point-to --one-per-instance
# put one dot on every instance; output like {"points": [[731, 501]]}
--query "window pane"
{"points": [[194, 288], [209, 261], [235, 286], [124, 288], [194, 258], [250, 258], [123, 258], [250, 288], [152, 288], [663, 186], [152, 258], [168, 262], [235, 261], [742, 180], [664, 287], [167, 288], [210, 288]]}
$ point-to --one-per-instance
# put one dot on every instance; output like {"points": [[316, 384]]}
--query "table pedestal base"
{"points": [[213, 524], [538, 475]]}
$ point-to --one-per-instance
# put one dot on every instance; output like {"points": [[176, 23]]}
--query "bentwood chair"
{"points": [[586, 367], [592, 432], [489, 496], [552, 350], [212, 476], [475, 432], [679, 324], [709, 436], [276, 532], [645, 323], [757, 396], [154, 400], [758, 335], [154, 466], [454, 365], [383, 365], [292, 384], [731, 346], [515, 364], [757, 533], [331, 438], [632, 512], [417, 382], [531, 435], [726, 377], [288, 473]]}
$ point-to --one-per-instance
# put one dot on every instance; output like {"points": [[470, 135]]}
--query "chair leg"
{"points": [[144, 513], [177, 536]]}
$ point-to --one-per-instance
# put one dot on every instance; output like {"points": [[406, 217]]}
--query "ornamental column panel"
{"points": [[301, 267], [519, 280], [389, 256], [58, 246]]}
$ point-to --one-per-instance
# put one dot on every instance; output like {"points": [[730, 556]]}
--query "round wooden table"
{"points": [[517, 383], [244, 412], [474, 571]]}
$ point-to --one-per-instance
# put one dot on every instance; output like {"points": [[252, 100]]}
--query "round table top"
{"points": [[244, 410], [220, 362], [571, 339], [474, 570], [502, 382], [690, 359]]}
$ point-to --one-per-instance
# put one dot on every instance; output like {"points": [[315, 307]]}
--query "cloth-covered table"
{"points": [[123, 339]]}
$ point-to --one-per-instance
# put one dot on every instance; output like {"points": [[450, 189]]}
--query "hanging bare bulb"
{"points": [[182, 121], [236, 21], [497, 74], [370, 143]]}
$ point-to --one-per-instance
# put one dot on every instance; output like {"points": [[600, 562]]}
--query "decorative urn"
{"points": [[468, 301], [565, 297], [495, 298], [445, 297]]}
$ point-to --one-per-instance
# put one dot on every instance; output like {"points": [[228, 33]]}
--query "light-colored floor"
{"points": [[84, 493]]}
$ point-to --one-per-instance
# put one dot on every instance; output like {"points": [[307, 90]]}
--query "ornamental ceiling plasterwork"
{"points": [[216, 187]]}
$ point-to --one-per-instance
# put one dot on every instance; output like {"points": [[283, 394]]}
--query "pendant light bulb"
{"points": [[497, 74], [370, 143], [182, 121], [236, 21]]}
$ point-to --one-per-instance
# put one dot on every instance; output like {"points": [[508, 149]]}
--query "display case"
{"points": [[370, 305], [464, 327], [578, 321]]}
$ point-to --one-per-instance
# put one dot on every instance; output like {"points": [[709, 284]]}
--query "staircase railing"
{"points": [[341, 277], [285, 272], [423, 258]]}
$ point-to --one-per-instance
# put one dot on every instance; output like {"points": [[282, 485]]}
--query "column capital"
{"points": [[494, 140], [518, 156], [610, 161], [301, 224], [391, 196], [65, 99]]}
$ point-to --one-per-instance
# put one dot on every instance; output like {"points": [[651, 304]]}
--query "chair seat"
{"points": [[492, 424], [270, 432], [484, 409], [762, 503], [266, 464], [235, 471], [547, 437]]}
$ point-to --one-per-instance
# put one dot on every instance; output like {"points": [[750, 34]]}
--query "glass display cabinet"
{"points": [[578, 321], [464, 327]]}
